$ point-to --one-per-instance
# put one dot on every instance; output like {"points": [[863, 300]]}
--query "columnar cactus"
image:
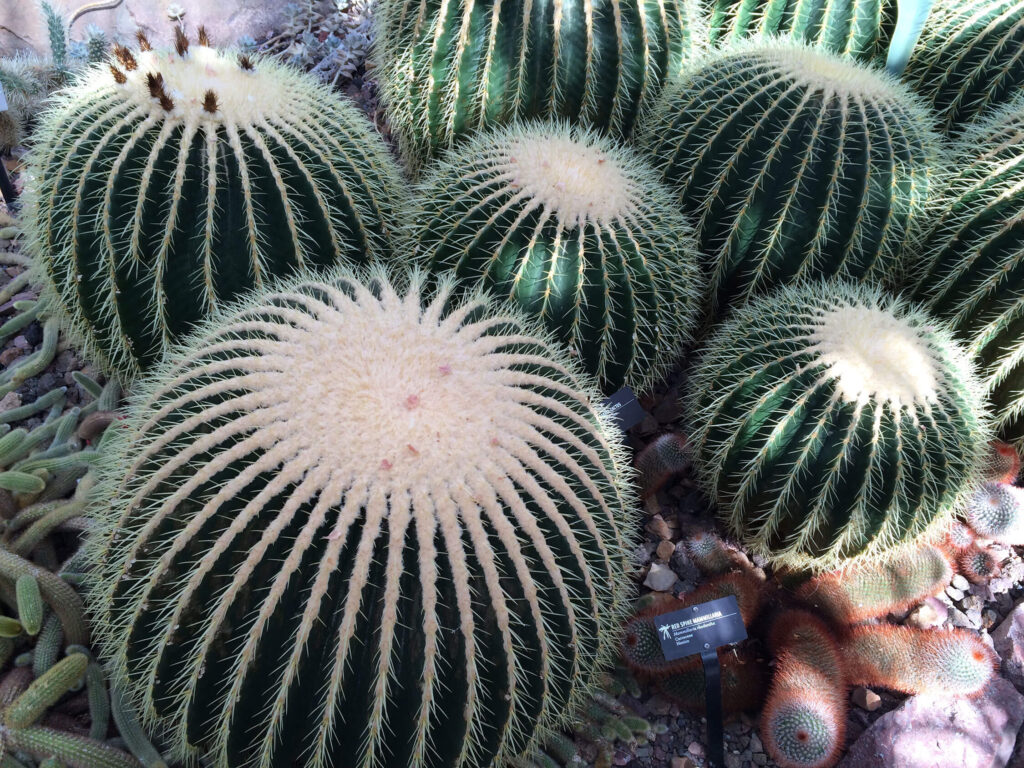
{"points": [[967, 58], [869, 590], [803, 722], [169, 182], [910, 660], [448, 69], [793, 163], [972, 268], [831, 421], [352, 523], [860, 30], [578, 232]]}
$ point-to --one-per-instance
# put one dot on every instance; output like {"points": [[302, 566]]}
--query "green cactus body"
{"points": [[73, 751], [870, 590], [996, 511], [972, 267], [30, 603], [438, 592], [967, 60], [575, 230], [803, 722], [831, 421], [792, 163], [167, 184], [45, 691], [910, 660], [450, 68], [860, 29]]}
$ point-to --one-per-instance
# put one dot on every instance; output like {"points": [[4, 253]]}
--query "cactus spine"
{"points": [[996, 511], [577, 231], [449, 584], [831, 421], [972, 270], [793, 163], [448, 69], [860, 30], [803, 722], [967, 59], [170, 182], [909, 660], [869, 590]]}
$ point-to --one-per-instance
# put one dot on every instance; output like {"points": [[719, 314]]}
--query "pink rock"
{"points": [[944, 732], [1008, 640]]}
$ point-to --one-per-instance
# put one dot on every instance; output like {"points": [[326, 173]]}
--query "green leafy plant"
{"points": [[449, 585], [172, 182], [449, 69], [793, 163], [577, 231], [832, 421]]}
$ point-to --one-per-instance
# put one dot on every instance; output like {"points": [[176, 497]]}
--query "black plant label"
{"points": [[626, 408], [700, 628]]}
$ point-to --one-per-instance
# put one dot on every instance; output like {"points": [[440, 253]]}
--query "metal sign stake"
{"points": [[713, 707]]}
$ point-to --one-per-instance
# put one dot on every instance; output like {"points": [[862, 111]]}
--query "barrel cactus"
{"points": [[967, 59], [451, 68], [793, 163], [166, 183], [832, 422], [860, 30], [972, 269], [354, 521], [577, 231]]}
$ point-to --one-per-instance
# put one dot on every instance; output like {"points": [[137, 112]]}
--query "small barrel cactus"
{"points": [[168, 182], [448, 69], [793, 163], [967, 59], [578, 232], [996, 511], [355, 523], [831, 421], [911, 660], [972, 269], [977, 565], [869, 590], [860, 30]]}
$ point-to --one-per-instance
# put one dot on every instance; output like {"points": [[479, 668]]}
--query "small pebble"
{"points": [[959, 582], [954, 594], [866, 699], [665, 550], [695, 749]]}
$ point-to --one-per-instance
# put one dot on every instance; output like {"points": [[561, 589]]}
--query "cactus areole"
{"points": [[832, 421], [312, 549], [165, 183]]}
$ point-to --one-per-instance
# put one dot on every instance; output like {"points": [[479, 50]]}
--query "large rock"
{"points": [[942, 732], [1008, 639], [23, 27]]}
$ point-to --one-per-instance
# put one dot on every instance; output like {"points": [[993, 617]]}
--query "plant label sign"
{"points": [[700, 628], [3, 99], [625, 408]]}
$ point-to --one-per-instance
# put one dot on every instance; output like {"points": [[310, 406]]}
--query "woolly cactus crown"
{"points": [[356, 524], [793, 163], [831, 421], [165, 183], [576, 230]]}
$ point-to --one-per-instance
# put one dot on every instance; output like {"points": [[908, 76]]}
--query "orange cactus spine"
{"points": [[803, 723], [869, 590], [909, 660]]}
